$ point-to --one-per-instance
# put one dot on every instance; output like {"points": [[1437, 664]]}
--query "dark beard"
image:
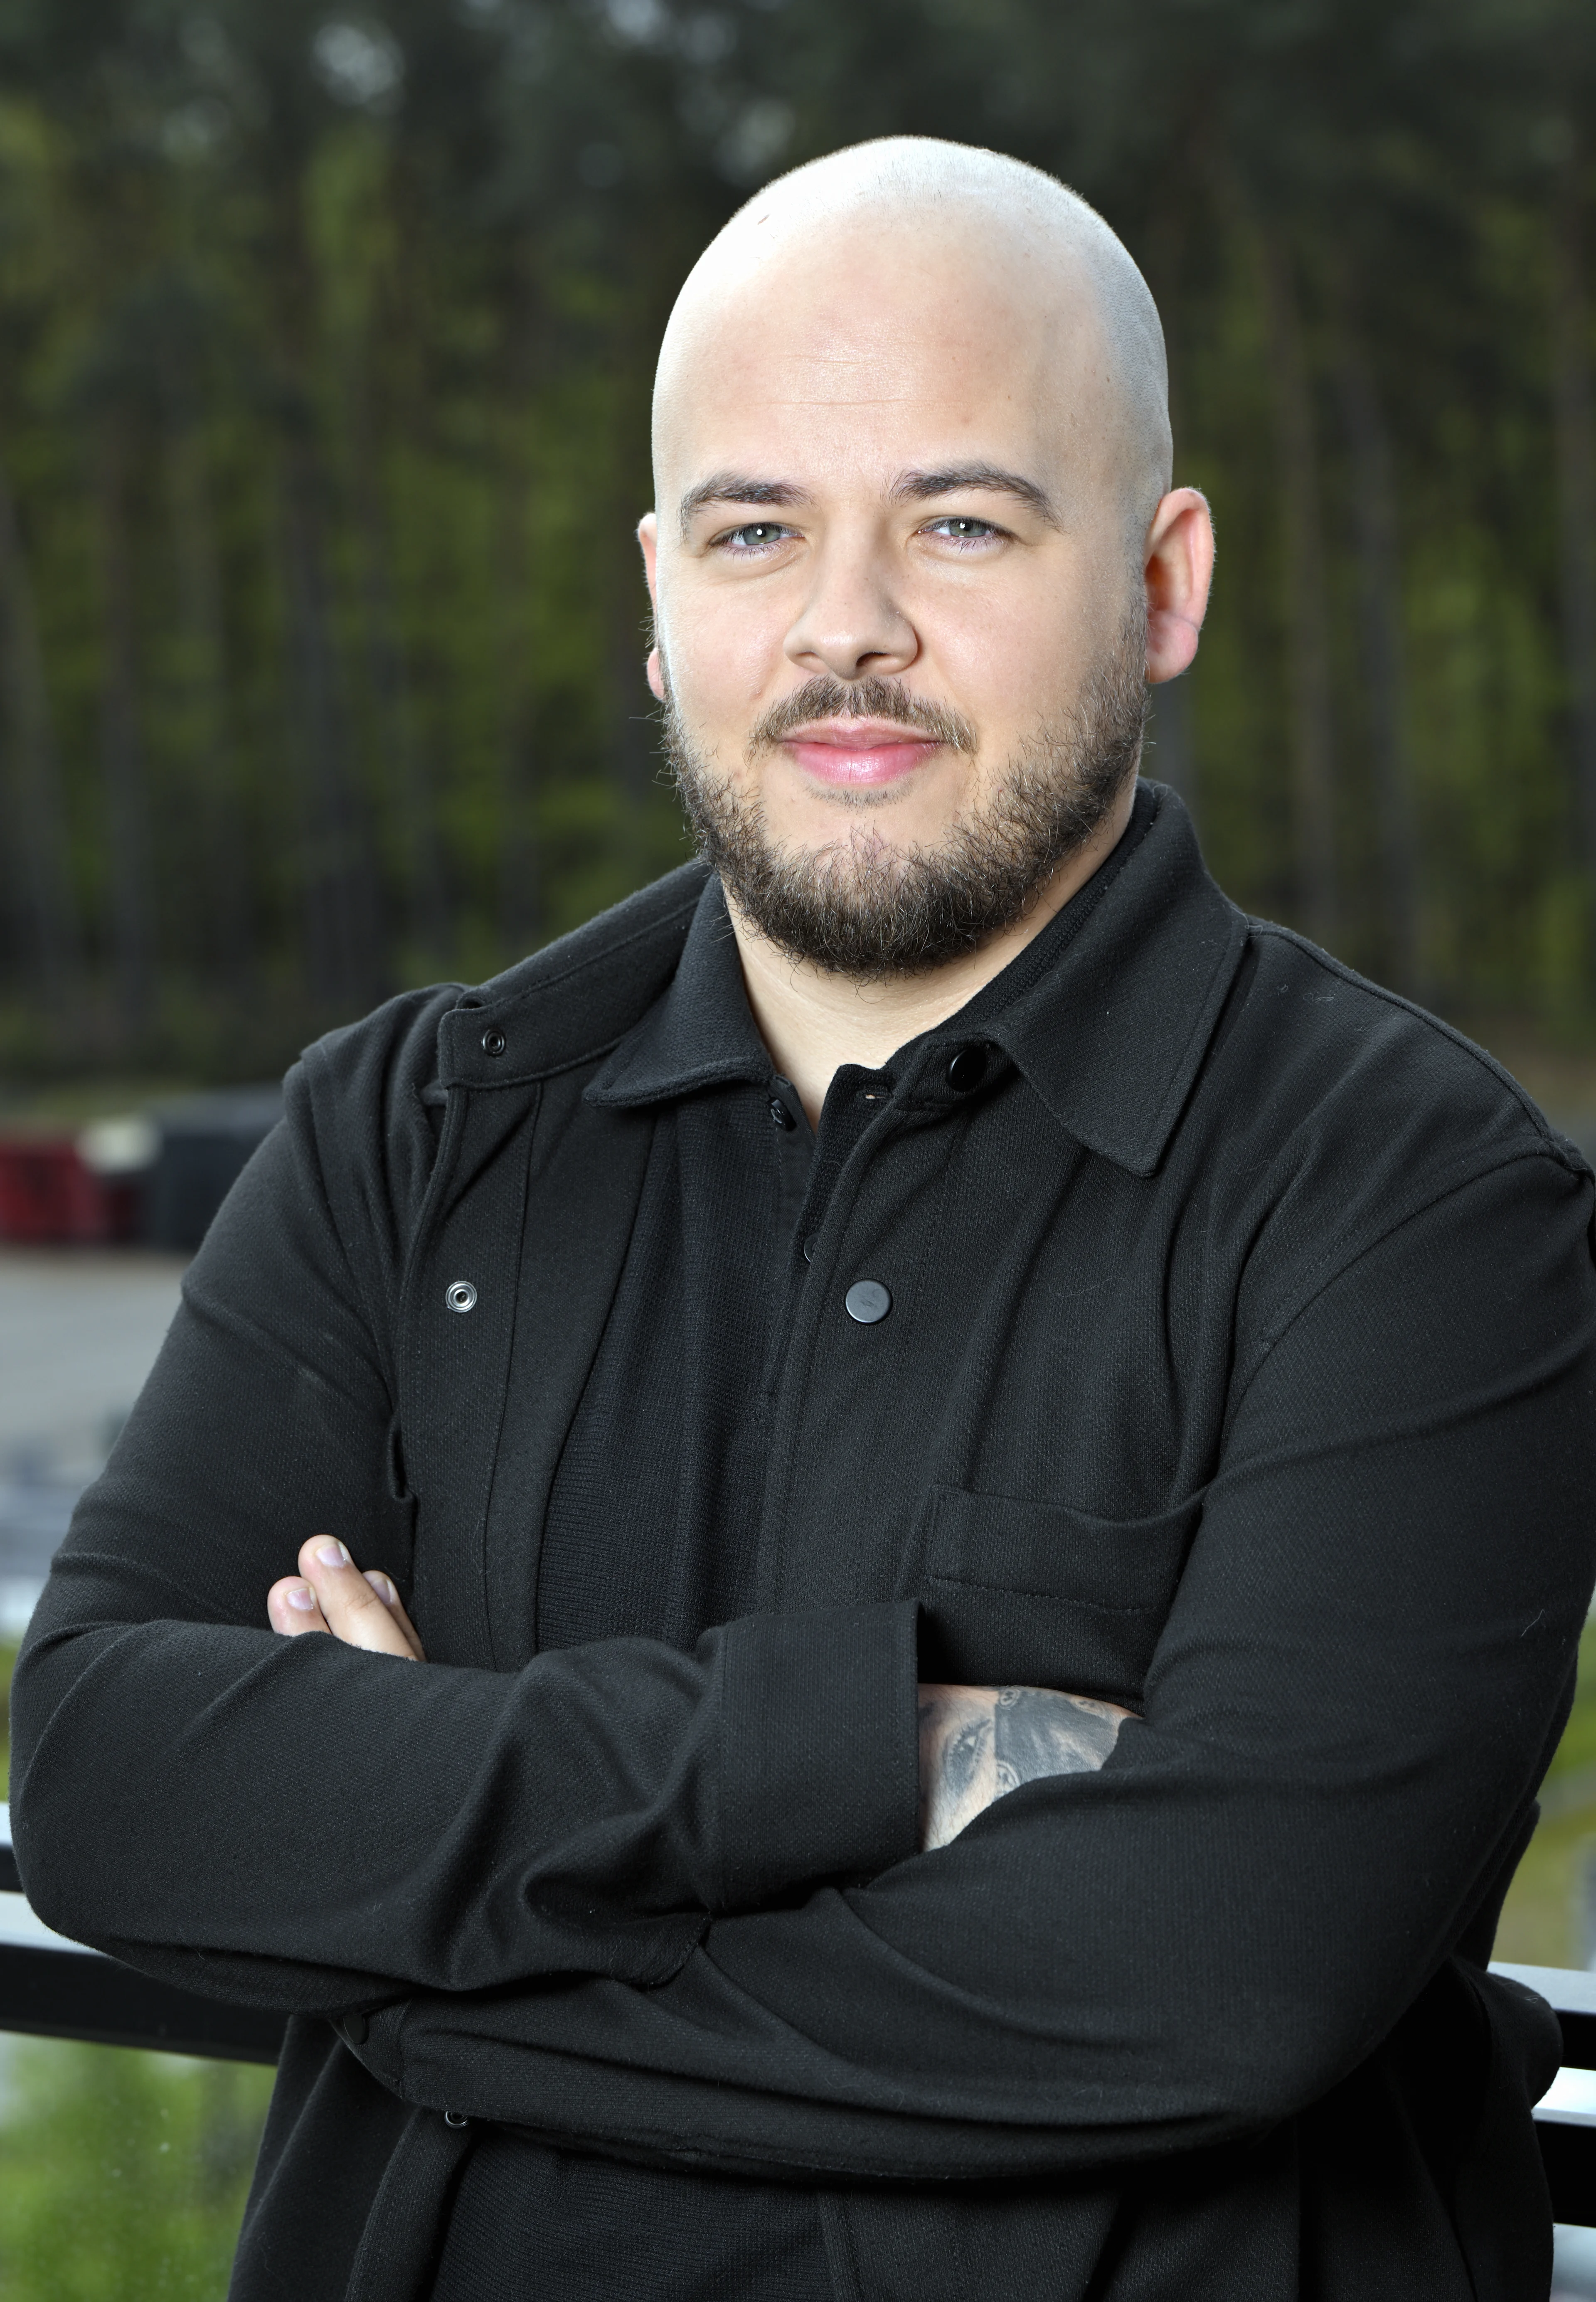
{"points": [[862, 908]]}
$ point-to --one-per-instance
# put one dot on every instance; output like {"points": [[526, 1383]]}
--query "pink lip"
{"points": [[855, 751]]}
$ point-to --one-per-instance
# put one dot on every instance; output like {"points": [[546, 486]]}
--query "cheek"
{"points": [[1000, 659], [1010, 657], [724, 649]]}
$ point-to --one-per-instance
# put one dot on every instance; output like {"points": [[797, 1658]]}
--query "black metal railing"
{"points": [[55, 1989]]}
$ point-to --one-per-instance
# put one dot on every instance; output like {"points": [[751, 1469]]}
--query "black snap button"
{"points": [[494, 1043], [867, 1300], [809, 1250], [780, 1114], [357, 2029], [967, 1069]]}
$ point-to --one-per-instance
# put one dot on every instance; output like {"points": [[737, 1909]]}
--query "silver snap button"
{"points": [[456, 2118], [461, 1296], [867, 1300]]}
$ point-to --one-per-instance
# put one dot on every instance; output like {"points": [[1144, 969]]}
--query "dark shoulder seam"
{"points": [[1553, 1142], [1461, 1179]]}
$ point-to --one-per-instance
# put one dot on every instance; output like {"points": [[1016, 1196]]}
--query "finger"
{"points": [[292, 1607], [387, 1589], [353, 1612]]}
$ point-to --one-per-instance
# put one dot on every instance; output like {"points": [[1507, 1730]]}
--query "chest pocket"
{"points": [[1038, 1594]]}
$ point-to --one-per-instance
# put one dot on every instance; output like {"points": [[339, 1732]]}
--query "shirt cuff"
{"points": [[818, 1747]]}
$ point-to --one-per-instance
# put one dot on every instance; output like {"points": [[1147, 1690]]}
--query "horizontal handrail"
{"points": [[54, 1989], [51, 1987]]}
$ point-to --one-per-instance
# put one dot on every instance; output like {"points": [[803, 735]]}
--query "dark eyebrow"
{"points": [[961, 479], [737, 488]]}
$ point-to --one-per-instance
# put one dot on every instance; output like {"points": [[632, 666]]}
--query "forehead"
{"points": [[871, 348]]}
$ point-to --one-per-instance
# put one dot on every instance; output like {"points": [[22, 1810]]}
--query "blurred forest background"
{"points": [[326, 336], [325, 344]]}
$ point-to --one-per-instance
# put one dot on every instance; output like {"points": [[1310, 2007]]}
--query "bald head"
{"points": [[833, 253], [914, 556]]}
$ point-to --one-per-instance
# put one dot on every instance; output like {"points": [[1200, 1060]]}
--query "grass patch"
{"points": [[125, 2174]]}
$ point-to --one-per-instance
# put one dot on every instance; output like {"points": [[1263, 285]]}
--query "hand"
{"points": [[978, 1741], [330, 1593]]}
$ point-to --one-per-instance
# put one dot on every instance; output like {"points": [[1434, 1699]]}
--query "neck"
{"points": [[812, 1021]]}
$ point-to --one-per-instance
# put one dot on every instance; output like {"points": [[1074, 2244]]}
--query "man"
{"points": [[943, 1243]]}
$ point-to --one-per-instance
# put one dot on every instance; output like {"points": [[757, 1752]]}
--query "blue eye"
{"points": [[758, 536], [960, 529]]}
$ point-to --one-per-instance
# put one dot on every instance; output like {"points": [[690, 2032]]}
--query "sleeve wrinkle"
{"points": [[208, 1311]]}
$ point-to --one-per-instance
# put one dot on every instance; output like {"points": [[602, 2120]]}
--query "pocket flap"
{"points": [[1050, 1551]]}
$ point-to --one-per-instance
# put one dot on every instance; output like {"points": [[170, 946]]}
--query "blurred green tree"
{"points": [[326, 340]]}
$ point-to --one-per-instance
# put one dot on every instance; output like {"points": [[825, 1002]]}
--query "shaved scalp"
{"points": [[1071, 261]]}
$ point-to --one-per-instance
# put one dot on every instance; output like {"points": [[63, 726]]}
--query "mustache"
{"points": [[870, 698]]}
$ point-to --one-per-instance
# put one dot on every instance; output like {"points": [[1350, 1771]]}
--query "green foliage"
{"points": [[325, 344], [124, 2174]]}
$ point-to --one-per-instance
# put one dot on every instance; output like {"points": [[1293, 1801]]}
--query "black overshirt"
{"points": [[652, 1531], [1238, 1368]]}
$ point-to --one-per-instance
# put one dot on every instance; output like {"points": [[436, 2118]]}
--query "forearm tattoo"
{"points": [[1035, 1731], [978, 1743]]}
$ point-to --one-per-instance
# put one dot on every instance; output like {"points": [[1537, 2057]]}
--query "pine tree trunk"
{"points": [[122, 754], [339, 890], [1308, 604], [1380, 606], [520, 900], [338, 879], [230, 910], [1575, 424], [522, 919], [37, 834], [405, 768]]}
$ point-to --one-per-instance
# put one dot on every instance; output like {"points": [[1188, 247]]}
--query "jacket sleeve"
{"points": [[295, 1823], [1364, 1675]]}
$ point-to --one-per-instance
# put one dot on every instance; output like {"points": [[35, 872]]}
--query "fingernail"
{"points": [[383, 1587], [332, 1554], [301, 1596]]}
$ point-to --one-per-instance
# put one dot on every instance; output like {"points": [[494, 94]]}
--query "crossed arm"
{"points": [[976, 1743], [576, 1892]]}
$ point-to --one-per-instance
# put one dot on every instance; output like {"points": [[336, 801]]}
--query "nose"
{"points": [[851, 624]]}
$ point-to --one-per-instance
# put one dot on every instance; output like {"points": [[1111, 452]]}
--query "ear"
{"points": [[1179, 570], [648, 537]]}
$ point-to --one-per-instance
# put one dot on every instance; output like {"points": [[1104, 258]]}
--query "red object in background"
{"points": [[48, 1197]]}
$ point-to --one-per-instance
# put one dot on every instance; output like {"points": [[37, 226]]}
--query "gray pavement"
{"points": [[79, 1332]]}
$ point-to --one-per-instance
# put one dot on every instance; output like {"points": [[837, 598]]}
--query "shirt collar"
{"points": [[1107, 1014], [1113, 1033], [702, 1033]]}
